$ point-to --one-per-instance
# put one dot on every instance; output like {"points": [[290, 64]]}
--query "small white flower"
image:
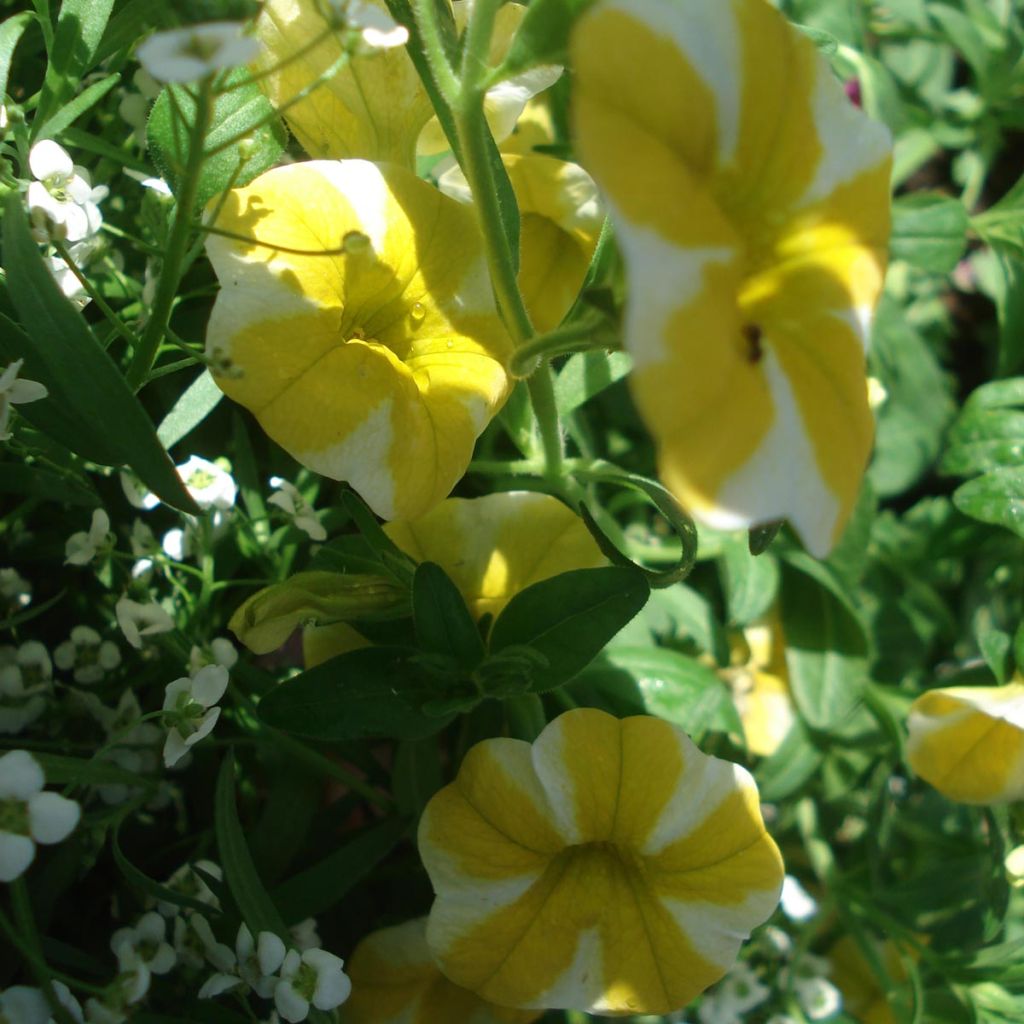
{"points": [[221, 651], [253, 965], [818, 998], [23, 1005], [25, 675], [191, 712], [87, 655], [188, 882], [314, 976], [188, 54], [14, 588], [209, 484], [741, 988], [196, 944], [797, 903], [176, 544], [62, 202], [138, 620], [14, 391], [28, 815], [82, 547], [289, 499], [375, 28], [136, 493], [146, 944], [304, 935]]}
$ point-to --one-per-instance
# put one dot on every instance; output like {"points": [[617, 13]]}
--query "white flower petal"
{"points": [[174, 748], [209, 684], [270, 952], [21, 777], [16, 853], [22, 391], [289, 1003], [23, 1005], [52, 817], [217, 984], [46, 160]]}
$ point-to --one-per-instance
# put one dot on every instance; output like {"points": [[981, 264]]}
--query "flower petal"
{"points": [[52, 817]]}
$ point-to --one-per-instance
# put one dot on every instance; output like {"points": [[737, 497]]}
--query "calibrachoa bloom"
{"points": [[751, 202], [561, 220], [395, 981], [380, 363], [492, 548], [968, 742], [28, 815], [610, 867], [188, 54]]}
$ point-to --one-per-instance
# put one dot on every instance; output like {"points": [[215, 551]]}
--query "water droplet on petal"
{"points": [[418, 312]]}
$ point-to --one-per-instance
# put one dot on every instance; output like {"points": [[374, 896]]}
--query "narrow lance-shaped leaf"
{"points": [[443, 623], [111, 425]]}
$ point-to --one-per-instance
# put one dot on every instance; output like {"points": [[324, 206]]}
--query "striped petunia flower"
{"points": [[968, 742], [751, 201], [356, 322], [609, 867]]}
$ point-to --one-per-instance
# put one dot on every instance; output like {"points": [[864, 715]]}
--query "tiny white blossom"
{"points": [[190, 710], [138, 620], [21, 1004], [372, 26], [25, 674], [28, 815], [87, 655], [68, 1001], [818, 998], [221, 651], [304, 935], [82, 547], [254, 965], [14, 588], [62, 202], [128, 988], [145, 943], [210, 485], [797, 903], [188, 54], [196, 944], [289, 499], [188, 882], [176, 544], [15, 391], [314, 976]]}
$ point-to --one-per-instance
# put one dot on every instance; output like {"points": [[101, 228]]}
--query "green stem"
{"points": [[542, 397], [434, 48], [581, 336], [177, 247]]}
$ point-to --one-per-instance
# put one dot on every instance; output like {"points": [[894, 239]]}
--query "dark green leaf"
{"points": [[80, 376], [11, 32], [826, 650], [31, 481], [443, 623], [796, 761], [324, 885], [257, 908], [759, 538], [197, 401], [996, 498], [80, 28], [525, 716], [569, 619], [62, 770], [71, 112], [929, 231], [417, 774], [149, 886], [235, 113], [587, 374], [376, 691], [543, 36], [396, 561]]}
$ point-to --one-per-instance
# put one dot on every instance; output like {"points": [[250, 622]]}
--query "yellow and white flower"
{"points": [[359, 326], [610, 867], [491, 547], [751, 201], [395, 981], [560, 216], [968, 742]]}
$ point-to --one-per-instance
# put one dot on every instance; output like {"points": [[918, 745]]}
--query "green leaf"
{"points": [[1010, 309], [235, 113], [569, 618], [257, 908], [76, 42], [524, 716], [392, 557], [826, 649], [996, 497], [376, 691], [197, 401], [929, 231], [994, 643], [517, 419], [673, 686], [443, 623], [31, 481], [71, 112], [543, 36], [795, 763], [749, 582], [325, 884], [62, 770], [151, 887], [587, 374], [680, 613], [80, 376], [11, 31], [417, 774]]}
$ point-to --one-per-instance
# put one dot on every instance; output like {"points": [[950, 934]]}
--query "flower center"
{"points": [[14, 817]]}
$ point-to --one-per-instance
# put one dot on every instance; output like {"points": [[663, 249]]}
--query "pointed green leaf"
{"points": [[443, 623]]}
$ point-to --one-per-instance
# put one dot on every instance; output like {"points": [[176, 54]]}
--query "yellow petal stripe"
{"points": [[495, 546], [395, 981], [611, 867], [968, 742], [380, 365], [752, 206]]}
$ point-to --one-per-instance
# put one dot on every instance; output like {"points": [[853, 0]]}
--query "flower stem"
{"points": [[434, 48], [177, 247], [582, 336]]}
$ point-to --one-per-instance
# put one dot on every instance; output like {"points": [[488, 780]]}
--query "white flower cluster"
{"points": [[28, 814], [63, 206], [295, 979]]}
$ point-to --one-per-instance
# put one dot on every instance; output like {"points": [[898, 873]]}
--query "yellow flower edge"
{"points": [[379, 365], [751, 202], [497, 545], [609, 867], [373, 108], [395, 981], [968, 742]]}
